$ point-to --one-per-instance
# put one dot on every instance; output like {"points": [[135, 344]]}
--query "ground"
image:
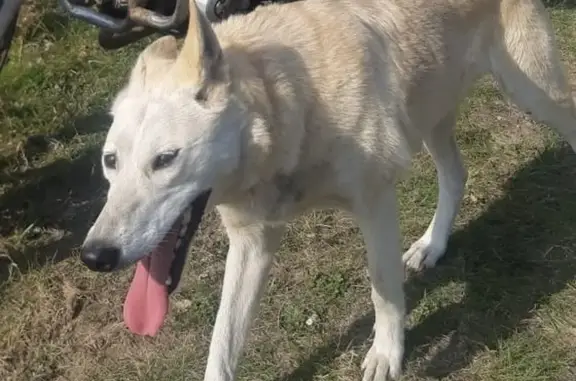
{"points": [[500, 306]]}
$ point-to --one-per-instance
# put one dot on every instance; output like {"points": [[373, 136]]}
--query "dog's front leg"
{"points": [[378, 219], [247, 266]]}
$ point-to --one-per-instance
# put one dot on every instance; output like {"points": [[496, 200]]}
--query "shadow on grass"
{"points": [[560, 4], [511, 259], [42, 20], [50, 206], [36, 145]]}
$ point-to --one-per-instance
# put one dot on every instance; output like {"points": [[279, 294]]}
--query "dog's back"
{"points": [[350, 66]]}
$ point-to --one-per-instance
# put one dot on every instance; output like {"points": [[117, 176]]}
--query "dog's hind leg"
{"points": [[525, 61], [452, 177], [378, 220], [247, 266]]}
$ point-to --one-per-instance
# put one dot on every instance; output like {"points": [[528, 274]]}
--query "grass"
{"points": [[500, 306]]}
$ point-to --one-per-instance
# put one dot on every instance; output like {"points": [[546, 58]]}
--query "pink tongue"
{"points": [[146, 304]]}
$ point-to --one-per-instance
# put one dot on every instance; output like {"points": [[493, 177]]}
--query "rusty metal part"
{"points": [[144, 16], [137, 15], [113, 40]]}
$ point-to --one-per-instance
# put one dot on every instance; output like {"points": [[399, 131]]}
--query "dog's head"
{"points": [[176, 136]]}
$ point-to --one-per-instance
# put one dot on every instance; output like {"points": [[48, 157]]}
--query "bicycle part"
{"points": [[114, 40], [9, 10], [122, 22], [136, 14], [92, 16], [153, 19], [218, 10]]}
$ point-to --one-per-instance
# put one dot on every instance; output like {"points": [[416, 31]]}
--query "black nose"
{"points": [[100, 257]]}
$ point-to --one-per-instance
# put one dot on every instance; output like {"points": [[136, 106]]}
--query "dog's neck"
{"points": [[264, 154]]}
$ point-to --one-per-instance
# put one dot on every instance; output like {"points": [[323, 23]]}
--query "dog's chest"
{"points": [[286, 196]]}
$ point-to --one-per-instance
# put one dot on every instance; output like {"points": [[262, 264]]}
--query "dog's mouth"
{"points": [[158, 274]]}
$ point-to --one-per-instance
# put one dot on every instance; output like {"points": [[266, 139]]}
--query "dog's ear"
{"points": [[153, 61], [151, 65], [201, 63]]}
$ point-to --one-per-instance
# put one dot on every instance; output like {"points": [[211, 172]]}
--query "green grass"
{"points": [[500, 306]]}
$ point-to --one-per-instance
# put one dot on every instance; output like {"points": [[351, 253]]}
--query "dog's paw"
{"points": [[380, 366], [422, 253]]}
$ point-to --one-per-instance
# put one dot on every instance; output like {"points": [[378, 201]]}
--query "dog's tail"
{"points": [[526, 62]]}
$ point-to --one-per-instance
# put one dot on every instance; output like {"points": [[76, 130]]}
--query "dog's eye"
{"points": [[110, 160], [164, 159]]}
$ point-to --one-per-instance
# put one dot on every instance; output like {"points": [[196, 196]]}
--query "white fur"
{"points": [[314, 104]]}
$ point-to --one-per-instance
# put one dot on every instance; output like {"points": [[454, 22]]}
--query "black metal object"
{"points": [[137, 14], [9, 10], [94, 17], [122, 22], [116, 40], [154, 19]]}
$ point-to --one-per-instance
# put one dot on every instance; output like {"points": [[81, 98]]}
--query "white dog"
{"points": [[320, 103]]}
